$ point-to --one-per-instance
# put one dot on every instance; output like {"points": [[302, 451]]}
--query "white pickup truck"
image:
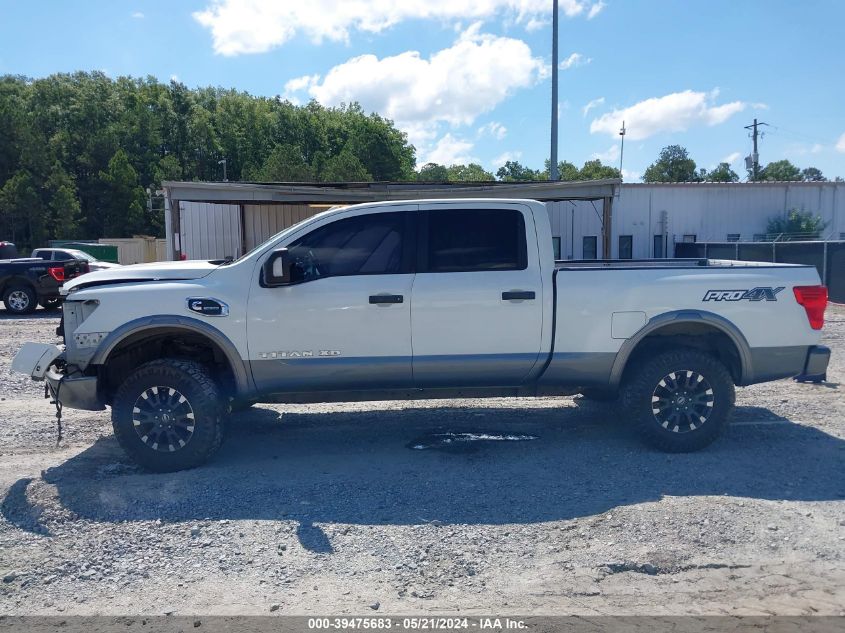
{"points": [[422, 299]]}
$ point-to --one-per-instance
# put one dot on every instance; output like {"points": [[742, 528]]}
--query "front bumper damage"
{"points": [[74, 392], [41, 361]]}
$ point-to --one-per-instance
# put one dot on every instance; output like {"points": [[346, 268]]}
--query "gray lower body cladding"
{"points": [[334, 379], [774, 363]]}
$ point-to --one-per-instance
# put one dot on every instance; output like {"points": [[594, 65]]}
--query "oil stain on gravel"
{"points": [[464, 442]]}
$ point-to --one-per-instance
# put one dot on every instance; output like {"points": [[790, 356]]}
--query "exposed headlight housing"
{"points": [[88, 340]]}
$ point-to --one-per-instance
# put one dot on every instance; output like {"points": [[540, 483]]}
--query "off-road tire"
{"points": [[20, 299], [203, 395], [50, 304], [641, 386]]}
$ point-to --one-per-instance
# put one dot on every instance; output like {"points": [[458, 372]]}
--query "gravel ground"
{"points": [[334, 509]]}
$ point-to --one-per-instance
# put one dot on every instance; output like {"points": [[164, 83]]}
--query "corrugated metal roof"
{"points": [[350, 192]]}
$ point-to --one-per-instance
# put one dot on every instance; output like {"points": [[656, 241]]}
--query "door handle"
{"points": [[518, 295], [386, 299]]}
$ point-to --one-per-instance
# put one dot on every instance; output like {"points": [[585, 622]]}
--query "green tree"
{"points": [[513, 171], [21, 211], [63, 206], [345, 167], [432, 172], [780, 170], [803, 223], [813, 174], [673, 165], [81, 121], [285, 164], [122, 205], [594, 170], [721, 173], [566, 171], [468, 173]]}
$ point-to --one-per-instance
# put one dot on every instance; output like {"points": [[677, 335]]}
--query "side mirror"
{"points": [[277, 268]]}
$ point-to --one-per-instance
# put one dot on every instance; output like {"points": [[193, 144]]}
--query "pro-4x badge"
{"points": [[761, 293]]}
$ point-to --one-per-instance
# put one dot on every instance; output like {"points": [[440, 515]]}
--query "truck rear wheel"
{"points": [[680, 400], [168, 415], [20, 299]]}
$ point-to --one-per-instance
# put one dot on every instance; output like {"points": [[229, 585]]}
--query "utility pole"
{"points": [[755, 157], [553, 174], [622, 149], [222, 161]]}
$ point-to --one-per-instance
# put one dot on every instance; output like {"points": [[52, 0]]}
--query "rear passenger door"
{"points": [[476, 312]]}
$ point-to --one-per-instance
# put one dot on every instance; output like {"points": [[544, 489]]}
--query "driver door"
{"points": [[344, 323]]}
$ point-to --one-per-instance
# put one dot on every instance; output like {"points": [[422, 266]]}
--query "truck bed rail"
{"points": [[634, 264]]}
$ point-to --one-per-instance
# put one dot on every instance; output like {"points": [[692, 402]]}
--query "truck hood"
{"points": [[156, 271]]}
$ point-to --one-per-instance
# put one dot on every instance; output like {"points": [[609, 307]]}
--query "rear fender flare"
{"points": [[679, 317]]}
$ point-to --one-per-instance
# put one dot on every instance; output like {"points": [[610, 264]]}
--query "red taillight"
{"points": [[814, 300], [57, 273]]}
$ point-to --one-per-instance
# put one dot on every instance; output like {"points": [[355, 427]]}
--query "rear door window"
{"points": [[466, 240]]}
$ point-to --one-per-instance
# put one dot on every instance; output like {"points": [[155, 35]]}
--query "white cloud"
{"points": [[256, 26], [301, 83], [674, 112], [610, 155], [562, 107], [449, 151], [630, 176], [595, 9], [573, 61], [840, 144], [595, 103], [505, 157], [174, 78], [137, 15], [731, 158], [455, 85], [535, 24], [494, 129]]}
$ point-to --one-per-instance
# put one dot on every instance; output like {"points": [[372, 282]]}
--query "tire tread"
{"points": [[637, 389], [209, 396]]}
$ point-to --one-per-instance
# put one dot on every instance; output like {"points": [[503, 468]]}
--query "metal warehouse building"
{"points": [[221, 219]]}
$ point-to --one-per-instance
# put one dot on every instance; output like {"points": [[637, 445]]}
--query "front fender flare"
{"points": [[243, 380]]}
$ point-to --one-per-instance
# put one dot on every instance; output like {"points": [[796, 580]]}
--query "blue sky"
{"points": [[469, 79]]}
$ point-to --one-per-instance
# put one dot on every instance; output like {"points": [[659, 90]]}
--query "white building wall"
{"points": [[708, 211]]}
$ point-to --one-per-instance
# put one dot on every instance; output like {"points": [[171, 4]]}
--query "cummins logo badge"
{"points": [[755, 294]]}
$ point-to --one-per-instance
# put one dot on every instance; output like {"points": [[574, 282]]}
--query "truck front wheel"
{"points": [[680, 400], [168, 415]]}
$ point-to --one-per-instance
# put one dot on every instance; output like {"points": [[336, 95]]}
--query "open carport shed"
{"points": [[221, 219]]}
